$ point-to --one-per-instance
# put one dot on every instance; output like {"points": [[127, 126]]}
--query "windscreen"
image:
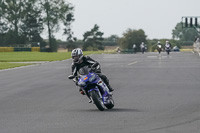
{"points": [[84, 70]]}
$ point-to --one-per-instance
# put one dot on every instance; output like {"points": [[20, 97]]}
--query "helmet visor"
{"points": [[75, 58]]}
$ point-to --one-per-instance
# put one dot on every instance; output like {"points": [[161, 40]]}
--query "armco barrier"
{"points": [[12, 49], [6, 49], [22, 49], [35, 49], [127, 51]]}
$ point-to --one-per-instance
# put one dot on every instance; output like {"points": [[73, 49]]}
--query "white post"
{"points": [[197, 45]]}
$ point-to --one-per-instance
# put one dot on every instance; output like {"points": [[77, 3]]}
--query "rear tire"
{"points": [[97, 100]]}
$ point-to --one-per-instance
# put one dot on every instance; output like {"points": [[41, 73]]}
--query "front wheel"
{"points": [[110, 104], [167, 52], [97, 100]]}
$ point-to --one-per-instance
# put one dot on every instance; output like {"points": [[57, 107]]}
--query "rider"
{"points": [[134, 48], [79, 61], [167, 46], [142, 46], [159, 47]]}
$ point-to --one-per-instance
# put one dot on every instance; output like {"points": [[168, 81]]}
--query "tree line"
{"points": [[180, 37], [23, 21]]}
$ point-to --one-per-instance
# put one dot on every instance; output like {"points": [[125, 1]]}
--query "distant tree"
{"points": [[93, 39], [12, 12], [19, 27], [32, 22], [3, 27], [183, 34], [132, 36], [21, 21], [3, 30], [112, 38], [68, 31], [54, 12]]}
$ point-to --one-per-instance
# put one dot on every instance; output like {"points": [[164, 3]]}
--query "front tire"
{"points": [[111, 104], [97, 100]]}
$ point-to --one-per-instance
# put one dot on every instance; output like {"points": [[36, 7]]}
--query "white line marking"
{"points": [[132, 63], [152, 56]]}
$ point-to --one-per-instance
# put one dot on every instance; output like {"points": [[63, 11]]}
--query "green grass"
{"points": [[37, 56], [6, 65], [186, 50], [31, 56], [7, 57]]}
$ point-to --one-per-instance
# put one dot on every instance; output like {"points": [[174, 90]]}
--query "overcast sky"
{"points": [[156, 17]]}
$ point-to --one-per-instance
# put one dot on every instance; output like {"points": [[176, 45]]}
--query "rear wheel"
{"points": [[97, 100], [168, 52]]}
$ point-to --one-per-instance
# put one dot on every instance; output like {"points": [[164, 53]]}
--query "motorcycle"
{"points": [[168, 49], [143, 50], [159, 49], [94, 87]]}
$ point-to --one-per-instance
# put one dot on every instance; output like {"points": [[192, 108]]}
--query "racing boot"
{"points": [[110, 88], [90, 101], [106, 81]]}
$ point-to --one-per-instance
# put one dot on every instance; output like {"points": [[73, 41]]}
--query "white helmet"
{"points": [[77, 55]]}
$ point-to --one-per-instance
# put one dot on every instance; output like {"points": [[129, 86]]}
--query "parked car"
{"points": [[175, 49]]}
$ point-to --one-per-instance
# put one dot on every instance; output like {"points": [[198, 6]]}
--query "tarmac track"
{"points": [[153, 94]]}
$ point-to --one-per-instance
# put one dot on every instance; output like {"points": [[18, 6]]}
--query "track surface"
{"points": [[153, 94]]}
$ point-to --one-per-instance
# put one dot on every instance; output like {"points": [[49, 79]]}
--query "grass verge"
{"points": [[186, 50], [7, 57], [6, 65], [38, 56]]}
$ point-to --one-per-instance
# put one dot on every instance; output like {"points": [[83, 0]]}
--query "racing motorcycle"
{"points": [[159, 49], [94, 87], [168, 49]]}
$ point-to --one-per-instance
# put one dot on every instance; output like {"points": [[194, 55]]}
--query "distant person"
{"points": [[197, 44], [145, 48], [118, 50], [167, 47], [142, 46], [195, 39], [159, 47], [134, 48]]}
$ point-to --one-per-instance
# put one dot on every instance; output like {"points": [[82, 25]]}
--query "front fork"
{"points": [[106, 92], [94, 89], [103, 86]]}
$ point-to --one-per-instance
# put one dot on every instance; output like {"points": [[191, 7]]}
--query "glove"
{"points": [[94, 65], [93, 69], [76, 83]]}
